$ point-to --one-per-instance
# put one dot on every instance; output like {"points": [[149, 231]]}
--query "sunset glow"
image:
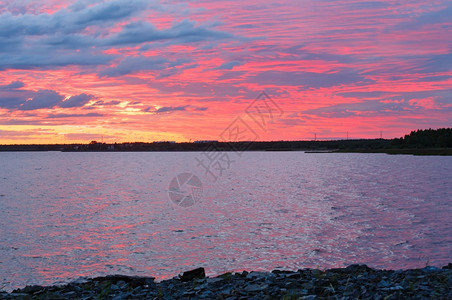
{"points": [[138, 70]]}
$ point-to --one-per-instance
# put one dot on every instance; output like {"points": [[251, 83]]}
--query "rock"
{"points": [[252, 288], [22, 296], [201, 287], [70, 294], [121, 284], [122, 296], [430, 269], [215, 280], [309, 297], [358, 268], [31, 289], [198, 273], [207, 295], [383, 283], [256, 275]]}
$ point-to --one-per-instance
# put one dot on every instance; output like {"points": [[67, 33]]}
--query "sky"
{"points": [[143, 70]]}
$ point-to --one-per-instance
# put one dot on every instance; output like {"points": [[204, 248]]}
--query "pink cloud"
{"points": [[334, 66]]}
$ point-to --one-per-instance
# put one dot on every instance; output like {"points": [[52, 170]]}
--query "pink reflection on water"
{"points": [[78, 216]]}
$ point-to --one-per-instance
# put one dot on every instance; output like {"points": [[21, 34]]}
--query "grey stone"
{"points": [[255, 288], [70, 294], [215, 280]]}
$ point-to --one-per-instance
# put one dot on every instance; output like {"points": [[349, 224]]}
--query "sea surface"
{"points": [[70, 215]]}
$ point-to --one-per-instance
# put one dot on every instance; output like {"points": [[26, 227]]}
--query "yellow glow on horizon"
{"points": [[69, 134]]}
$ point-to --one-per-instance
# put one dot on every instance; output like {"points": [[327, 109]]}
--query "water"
{"points": [[66, 215]]}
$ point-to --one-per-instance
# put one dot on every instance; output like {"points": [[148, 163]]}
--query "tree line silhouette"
{"points": [[427, 138]]}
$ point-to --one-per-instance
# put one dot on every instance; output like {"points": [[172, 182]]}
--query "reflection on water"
{"points": [[66, 215]]}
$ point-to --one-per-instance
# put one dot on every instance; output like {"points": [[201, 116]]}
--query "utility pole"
{"points": [[347, 135], [315, 136]]}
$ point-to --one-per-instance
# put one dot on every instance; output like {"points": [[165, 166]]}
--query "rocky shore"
{"points": [[353, 282]]}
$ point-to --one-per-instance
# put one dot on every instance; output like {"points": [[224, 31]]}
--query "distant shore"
{"points": [[412, 151], [353, 282], [341, 146]]}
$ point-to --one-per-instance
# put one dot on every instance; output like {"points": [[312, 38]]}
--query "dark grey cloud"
{"points": [[42, 99], [401, 104], [231, 75], [80, 34], [438, 63], [229, 65], [104, 103], [442, 15], [69, 20], [207, 92], [133, 64], [12, 86], [143, 32], [60, 116], [168, 109], [13, 96], [76, 101], [435, 78], [306, 80], [363, 95], [38, 59], [171, 108]]}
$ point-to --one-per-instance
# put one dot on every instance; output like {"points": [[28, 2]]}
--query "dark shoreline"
{"points": [[420, 142], [366, 146], [355, 281]]}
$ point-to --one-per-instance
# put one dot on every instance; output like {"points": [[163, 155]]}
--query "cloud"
{"points": [[104, 103], [438, 63], [42, 99], [185, 31], [12, 96], [17, 135], [80, 34], [169, 109], [133, 64], [60, 116], [76, 101], [402, 104], [70, 20], [306, 80], [12, 86], [87, 136], [425, 18], [229, 65]]}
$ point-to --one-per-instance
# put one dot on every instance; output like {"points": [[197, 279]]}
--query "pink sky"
{"points": [[140, 70]]}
